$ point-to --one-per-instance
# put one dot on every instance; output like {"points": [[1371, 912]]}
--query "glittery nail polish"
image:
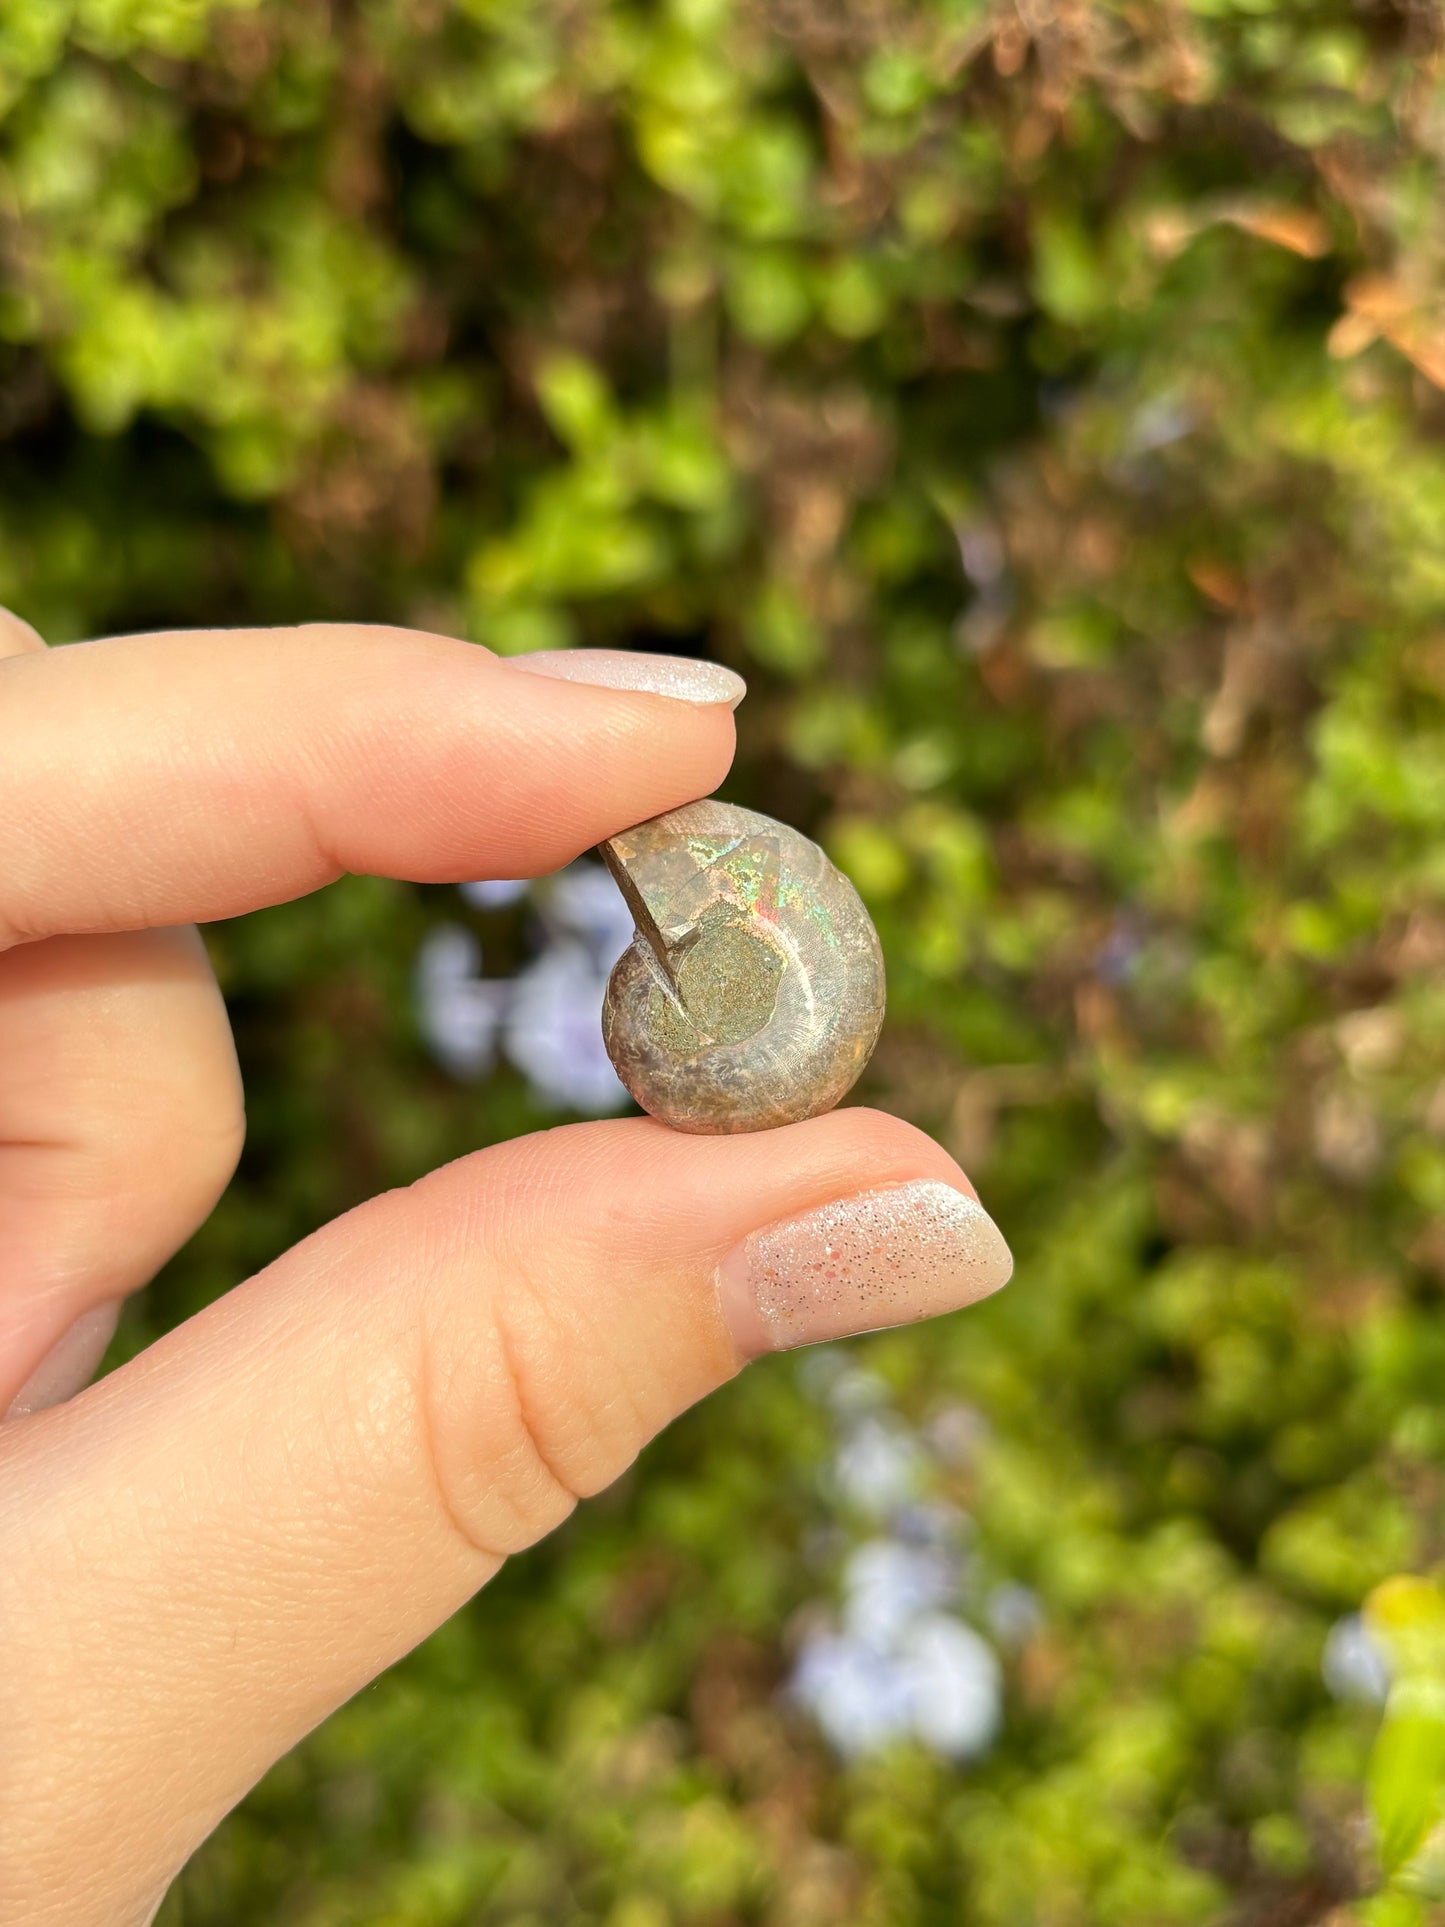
{"points": [[885, 1257], [685, 678]]}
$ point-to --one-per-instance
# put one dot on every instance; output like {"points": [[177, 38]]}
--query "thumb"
{"points": [[232, 1534]]}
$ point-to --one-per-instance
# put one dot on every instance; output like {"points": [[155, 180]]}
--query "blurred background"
{"points": [[1040, 401]]}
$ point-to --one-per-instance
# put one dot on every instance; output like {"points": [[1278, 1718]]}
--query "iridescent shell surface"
{"points": [[752, 993]]}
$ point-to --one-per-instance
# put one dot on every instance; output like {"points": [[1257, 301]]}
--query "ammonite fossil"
{"points": [[752, 992]]}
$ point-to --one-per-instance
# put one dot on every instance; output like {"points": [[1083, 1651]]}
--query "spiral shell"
{"points": [[752, 992]]}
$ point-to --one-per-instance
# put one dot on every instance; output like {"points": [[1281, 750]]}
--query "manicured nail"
{"points": [[70, 1363], [682, 677], [883, 1257]]}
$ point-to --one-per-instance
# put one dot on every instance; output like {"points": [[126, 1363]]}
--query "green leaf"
{"points": [[782, 634], [1071, 277], [768, 295], [576, 400], [1406, 1777]]}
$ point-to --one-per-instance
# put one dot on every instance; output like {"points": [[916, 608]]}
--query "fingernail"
{"points": [[70, 1363], [684, 678], [885, 1257]]}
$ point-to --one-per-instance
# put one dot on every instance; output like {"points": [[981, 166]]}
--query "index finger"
{"points": [[181, 777]]}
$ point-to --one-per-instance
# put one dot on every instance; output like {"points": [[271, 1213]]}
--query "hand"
{"points": [[206, 1552]]}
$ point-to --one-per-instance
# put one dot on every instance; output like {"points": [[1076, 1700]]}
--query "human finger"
{"points": [[146, 777], [121, 1119], [120, 1122], [17, 638], [226, 1538], [175, 778]]}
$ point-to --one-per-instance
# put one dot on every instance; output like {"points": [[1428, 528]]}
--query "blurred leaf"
{"points": [[1407, 1770], [1044, 402], [1070, 276], [576, 401]]}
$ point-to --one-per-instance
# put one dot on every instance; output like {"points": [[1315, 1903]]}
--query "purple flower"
{"points": [[887, 1585], [1161, 420], [548, 1019], [493, 893], [1014, 1613], [1354, 1665], [858, 1696], [985, 563], [955, 1686], [553, 1031], [981, 550], [880, 1466], [458, 1010], [935, 1523], [1121, 950], [936, 1682], [582, 902], [897, 1663], [955, 1432], [854, 1390]]}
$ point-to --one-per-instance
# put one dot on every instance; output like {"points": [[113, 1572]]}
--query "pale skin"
{"points": [[207, 1551]]}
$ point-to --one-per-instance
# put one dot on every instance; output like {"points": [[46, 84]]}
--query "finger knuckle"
{"points": [[534, 1397], [499, 1457]]}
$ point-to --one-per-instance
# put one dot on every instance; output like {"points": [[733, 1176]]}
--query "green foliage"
{"points": [[1406, 1776], [1042, 405]]}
